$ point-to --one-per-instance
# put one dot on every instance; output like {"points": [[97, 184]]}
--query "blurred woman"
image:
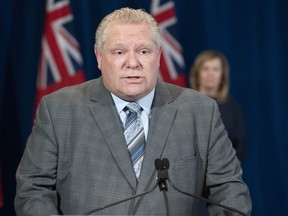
{"points": [[210, 76]]}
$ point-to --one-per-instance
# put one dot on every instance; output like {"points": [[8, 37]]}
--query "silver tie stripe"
{"points": [[134, 135]]}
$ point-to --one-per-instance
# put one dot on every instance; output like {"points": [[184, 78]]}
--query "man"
{"points": [[78, 156]]}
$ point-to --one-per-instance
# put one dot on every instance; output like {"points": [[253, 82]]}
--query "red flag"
{"points": [[172, 61], [60, 62]]}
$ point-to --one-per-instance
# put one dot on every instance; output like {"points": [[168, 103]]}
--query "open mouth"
{"points": [[134, 77]]}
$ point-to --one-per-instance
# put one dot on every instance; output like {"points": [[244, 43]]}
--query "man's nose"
{"points": [[133, 61]]}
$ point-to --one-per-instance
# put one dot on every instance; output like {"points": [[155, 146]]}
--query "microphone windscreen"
{"points": [[165, 162], [158, 164]]}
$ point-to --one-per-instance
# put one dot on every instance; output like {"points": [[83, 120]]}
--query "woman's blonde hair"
{"points": [[198, 63], [123, 16]]}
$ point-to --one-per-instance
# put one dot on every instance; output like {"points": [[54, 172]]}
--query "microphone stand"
{"points": [[161, 182], [165, 161], [162, 168], [206, 200], [162, 177], [123, 200]]}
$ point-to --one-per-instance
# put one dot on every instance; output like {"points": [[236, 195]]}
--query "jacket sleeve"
{"points": [[224, 174], [36, 174]]}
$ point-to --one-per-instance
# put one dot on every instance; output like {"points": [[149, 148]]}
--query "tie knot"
{"points": [[135, 107]]}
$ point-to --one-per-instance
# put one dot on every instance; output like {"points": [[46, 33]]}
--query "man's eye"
{"points": [[144, 52], [118, 52]]}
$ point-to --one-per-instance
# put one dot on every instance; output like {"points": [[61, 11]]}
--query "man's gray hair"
{"points": [[124, 16]]}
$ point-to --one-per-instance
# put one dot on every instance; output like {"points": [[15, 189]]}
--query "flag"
{"points": [[60, 62], [172, 64]]}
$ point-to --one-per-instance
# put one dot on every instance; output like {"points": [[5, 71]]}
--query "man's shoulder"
{"points": [[79, 90], [182, 93]]}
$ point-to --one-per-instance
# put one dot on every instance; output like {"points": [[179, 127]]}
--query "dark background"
{"points": [[251, 33]]}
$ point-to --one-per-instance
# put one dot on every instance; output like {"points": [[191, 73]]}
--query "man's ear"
{"points": [[98, 56], [159, 54], [160, 51]]}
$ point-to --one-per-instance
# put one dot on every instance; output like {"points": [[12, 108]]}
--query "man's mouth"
{"points": [[134, 77]]}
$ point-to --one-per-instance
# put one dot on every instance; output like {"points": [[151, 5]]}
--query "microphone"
{"points": [[162, 168], [162, 174], [165, 164]]}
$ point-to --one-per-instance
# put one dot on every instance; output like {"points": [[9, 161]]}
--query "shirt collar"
{"points": [[144, 102]]}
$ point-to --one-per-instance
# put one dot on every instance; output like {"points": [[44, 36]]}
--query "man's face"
{"points": [[129, 61]]}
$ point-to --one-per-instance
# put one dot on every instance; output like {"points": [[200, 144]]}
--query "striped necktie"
{"points": [[134, 136]]}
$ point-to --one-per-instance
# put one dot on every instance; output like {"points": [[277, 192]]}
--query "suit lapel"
{"points": [[163, 114], [105, 114], [162, 118], [160, 125]]}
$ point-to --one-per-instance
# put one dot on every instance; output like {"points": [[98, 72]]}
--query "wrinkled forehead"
{"points": [[130, 30]]}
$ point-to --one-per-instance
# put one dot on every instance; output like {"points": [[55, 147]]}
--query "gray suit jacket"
{"points": [[76, 158]]}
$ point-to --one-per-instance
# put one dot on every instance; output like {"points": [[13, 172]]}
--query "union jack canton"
{"points": [[60, 62], [172, 63]]}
